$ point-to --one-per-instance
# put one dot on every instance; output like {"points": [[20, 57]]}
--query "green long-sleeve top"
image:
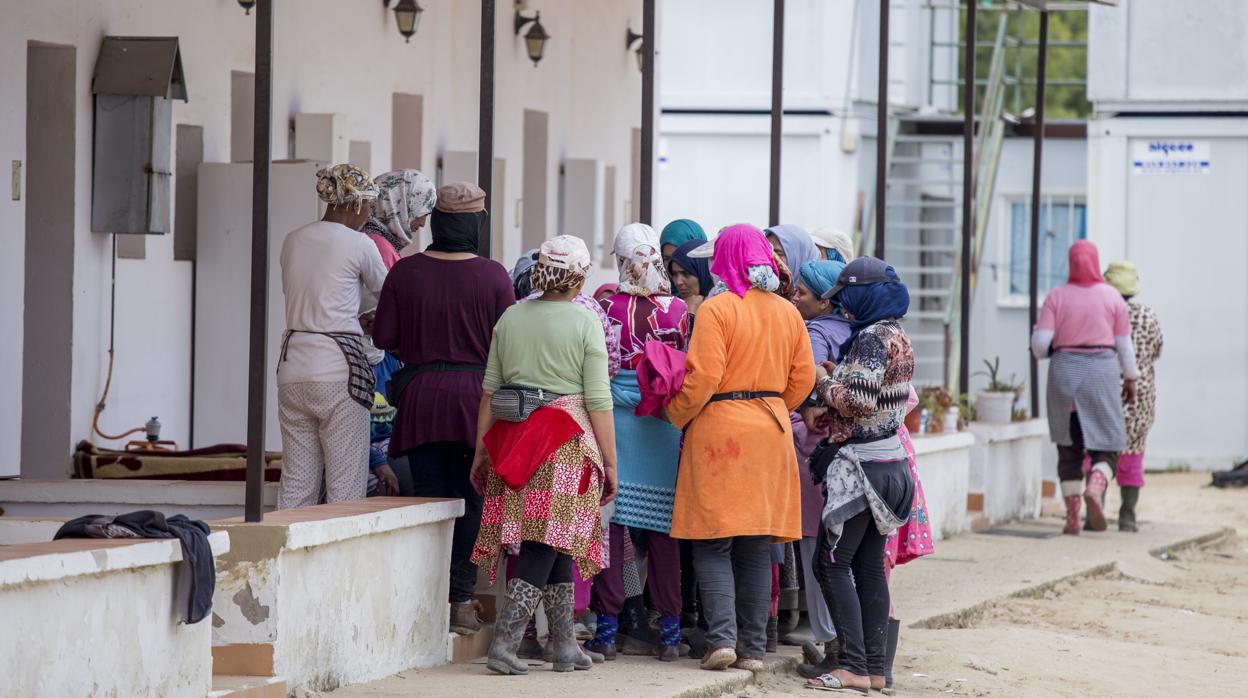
{"points": [[552, 345]]}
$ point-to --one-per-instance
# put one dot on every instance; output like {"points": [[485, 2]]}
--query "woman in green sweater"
{"points": [[545, 474]]}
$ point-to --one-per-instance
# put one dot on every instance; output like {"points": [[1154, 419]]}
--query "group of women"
{"points": [[726, 408]]}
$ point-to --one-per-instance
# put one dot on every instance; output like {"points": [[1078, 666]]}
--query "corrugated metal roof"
{"points": [[140, 65]]}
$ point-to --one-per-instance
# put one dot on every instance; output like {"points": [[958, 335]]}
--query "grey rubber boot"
{"points": [[522, 599], [890, 651], [565, 654], [1126, 513]]}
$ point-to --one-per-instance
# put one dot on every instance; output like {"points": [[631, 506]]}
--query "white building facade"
{"points": [[400, 104]]}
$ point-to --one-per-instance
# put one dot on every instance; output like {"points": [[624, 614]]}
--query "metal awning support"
{"points": [[257, 374], [777, 108], [968, 196], [881, 134], [485, 124], [645, 207], [1033, 283]]}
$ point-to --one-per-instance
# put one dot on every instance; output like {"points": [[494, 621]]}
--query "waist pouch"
{"points": [[514, 403]]}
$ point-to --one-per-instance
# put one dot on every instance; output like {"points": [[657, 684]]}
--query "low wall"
{"points": [[97, 618], [71, 498], [944, 462], [339, 593], [1007, 467]]}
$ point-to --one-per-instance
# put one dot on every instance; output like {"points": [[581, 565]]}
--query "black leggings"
{"points": [[441, 469], [857, 593], [539, 565]]}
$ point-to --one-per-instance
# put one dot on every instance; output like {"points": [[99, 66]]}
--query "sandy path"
{"points": [[1121, 634]]}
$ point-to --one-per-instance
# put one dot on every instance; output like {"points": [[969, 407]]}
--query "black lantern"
{"points": [[247, 5], [407, 15], [534, 39], [639, 40]]}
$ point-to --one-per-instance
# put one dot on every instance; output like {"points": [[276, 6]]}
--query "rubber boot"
{"points": [[890, 651], [565, 655], [1126, 513], [773, 634], [522, 599], [1072, 515], [1092, 495]]}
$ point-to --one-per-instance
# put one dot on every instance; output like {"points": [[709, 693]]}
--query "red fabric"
{"points": [[659, 377], [1085, 265], [516, 449]]}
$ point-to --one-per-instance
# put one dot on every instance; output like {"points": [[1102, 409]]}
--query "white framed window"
{"points": [[1063, 222]]}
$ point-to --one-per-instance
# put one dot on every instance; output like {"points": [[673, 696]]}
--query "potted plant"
{"points": [[995, 404], [937, 403]]}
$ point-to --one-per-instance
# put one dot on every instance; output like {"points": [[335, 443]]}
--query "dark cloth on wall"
{"points": [[197, 573], [438, 310], [455, 232]]}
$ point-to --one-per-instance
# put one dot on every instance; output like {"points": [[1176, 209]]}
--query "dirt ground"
{"points": [[1156, 627]]}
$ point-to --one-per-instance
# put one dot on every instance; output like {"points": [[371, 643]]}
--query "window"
{"points": [[1063, 221]]}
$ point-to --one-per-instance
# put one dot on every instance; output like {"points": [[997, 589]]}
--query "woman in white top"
{"points": [[324, 380]]}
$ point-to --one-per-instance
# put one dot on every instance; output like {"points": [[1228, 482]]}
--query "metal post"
{"points": [[777, 108], [257, 372], [485, 123], [968, 195], [646, 207], [881, 134], [1033, 282]]}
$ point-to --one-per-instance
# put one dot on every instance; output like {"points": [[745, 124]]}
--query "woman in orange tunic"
{"points": [[749, 364]]}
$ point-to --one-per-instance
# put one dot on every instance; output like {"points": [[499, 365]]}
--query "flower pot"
{"points": [[914, 421], [951, 420], [994, 408]]}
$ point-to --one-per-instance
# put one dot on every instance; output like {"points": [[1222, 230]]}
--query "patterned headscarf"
{"points": [[562, 264], [641, 266], [744, 260], [345, 184], [404, 196]]}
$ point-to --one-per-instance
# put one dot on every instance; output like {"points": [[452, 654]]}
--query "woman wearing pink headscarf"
{"points": [[1086, 328], [737, 490]]}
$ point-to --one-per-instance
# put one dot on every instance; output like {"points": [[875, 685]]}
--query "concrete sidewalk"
{"points": [[947, 589]]}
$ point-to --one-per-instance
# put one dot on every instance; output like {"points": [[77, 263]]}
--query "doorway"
{"points": [[47, 322]]}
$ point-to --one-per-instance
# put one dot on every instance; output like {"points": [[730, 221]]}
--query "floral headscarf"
{"points": [[345, 184], [641, 266], [404, 196]]}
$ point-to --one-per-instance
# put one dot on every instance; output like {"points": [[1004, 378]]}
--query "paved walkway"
{"points": [[947, 589]]}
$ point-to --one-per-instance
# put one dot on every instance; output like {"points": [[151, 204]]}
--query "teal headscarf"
{"points": [[820, 275], [680, 231]]}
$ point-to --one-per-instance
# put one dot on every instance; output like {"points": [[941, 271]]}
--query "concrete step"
{"points": [[227, 686], [466, 648]]}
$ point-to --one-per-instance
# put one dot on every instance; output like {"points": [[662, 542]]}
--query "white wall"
{"points": [[329, 57], [1160, 56]]}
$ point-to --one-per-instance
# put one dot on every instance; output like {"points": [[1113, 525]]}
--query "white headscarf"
{"points": [[405, 195], [834, 239], [639, 261]]}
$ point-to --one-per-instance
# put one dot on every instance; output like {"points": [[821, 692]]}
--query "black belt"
{"points": [[751, 395], [744, 395], [399, 380]]}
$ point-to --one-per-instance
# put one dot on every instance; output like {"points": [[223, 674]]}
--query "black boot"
{"points": [[1126, 513], [827, 660], [890, 650]]}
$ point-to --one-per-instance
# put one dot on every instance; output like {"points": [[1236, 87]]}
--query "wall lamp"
{"points": [[535, 39], [407, 15], [247, 5], [638, 39]]}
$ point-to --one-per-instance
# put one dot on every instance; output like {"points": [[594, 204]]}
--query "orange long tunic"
{"points": [[738, 470]]}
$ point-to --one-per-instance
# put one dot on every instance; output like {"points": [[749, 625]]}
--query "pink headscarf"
{"points": [[1085, 265], [738, 248]]}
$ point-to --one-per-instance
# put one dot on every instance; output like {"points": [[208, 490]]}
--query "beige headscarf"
{"points": [[344, 185], [641, 266], [833, 239]]}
